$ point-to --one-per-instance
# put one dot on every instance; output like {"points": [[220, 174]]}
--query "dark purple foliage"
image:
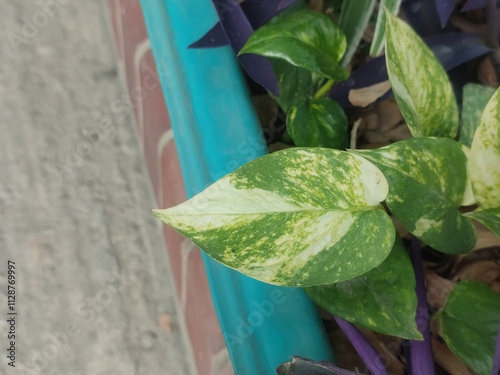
{"points": [[216, 37], [444, 9], [451, 50], [421, 360], [423, 17], [238, 29], [473, 5], [258, 12], [304, 366], [366, 351]]}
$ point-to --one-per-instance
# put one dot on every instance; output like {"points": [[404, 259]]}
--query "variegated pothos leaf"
{"points": [[475, 99], [318, 123], [490, 218], [421, 87], [469, 324], [381, 300], [297, 217], [484, 158], [427, 180]]}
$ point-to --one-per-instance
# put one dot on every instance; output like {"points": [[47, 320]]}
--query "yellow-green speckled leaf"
{"points": [[469, 324], [490, 218], [381, 300], [297, 217], [421, 87], [427, 180], [475, 99], [484, 158], [469, 198]]}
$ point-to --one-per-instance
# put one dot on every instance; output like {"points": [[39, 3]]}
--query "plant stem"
{"points": [[324, 89], [421, 360], [366, 351]]}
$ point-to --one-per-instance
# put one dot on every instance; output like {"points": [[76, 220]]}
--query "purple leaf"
{"points": [[451, 50], [216, 37], [473, 5], [423, 17], [496, 360], [259, 12], [366, 351], [421, 360], [444, 9], [238, 29], [304, 366]]}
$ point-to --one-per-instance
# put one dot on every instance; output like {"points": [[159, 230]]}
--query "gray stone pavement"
{"points": [[93, 284]]}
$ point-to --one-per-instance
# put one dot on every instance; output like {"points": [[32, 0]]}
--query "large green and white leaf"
{"points": [[379, 34], [297, 217], [296, 85], [421, 87], [469, 198], [306, 39], [475, 98], [490, 218], [318, 123], [469, 324], [353, 19], [427, 179], [484, 159], [381, 300]]}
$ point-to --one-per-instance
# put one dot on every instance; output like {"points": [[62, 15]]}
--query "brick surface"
{"points": [[164, 169]]}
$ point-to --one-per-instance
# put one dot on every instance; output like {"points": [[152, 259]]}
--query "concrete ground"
{"points": [[93, 284]]}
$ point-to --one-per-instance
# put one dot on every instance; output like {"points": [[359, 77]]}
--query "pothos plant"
{"points": [[322, 218]]}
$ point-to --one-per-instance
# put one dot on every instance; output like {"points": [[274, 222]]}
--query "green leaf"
{"points": [[475, 98], [319, 123], [484, 159], [379, 34], [420, 84], [353, 20], [306, 39], [381, 300], [427, 180], [490, 218], [296, 85], [297, 217], [469, 324], [469, 198]]}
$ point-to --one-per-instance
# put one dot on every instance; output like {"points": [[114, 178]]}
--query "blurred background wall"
{"points": [[93, 282]]}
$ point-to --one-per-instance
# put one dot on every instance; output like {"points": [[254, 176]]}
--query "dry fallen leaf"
{"points": [[367, 95], [447, 360]]}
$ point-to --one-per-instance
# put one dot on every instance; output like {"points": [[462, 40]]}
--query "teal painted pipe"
{"points": [[216, 131]]}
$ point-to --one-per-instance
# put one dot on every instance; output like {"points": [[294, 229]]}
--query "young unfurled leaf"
{"points": [[475, 98], [490, 218], [319, 123], [420, 84], [469, 324], [379, 34], [353, 19], [381, 300], [484, 159], [296, 85], [306, 39], [427, 179], [297, 217]]}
